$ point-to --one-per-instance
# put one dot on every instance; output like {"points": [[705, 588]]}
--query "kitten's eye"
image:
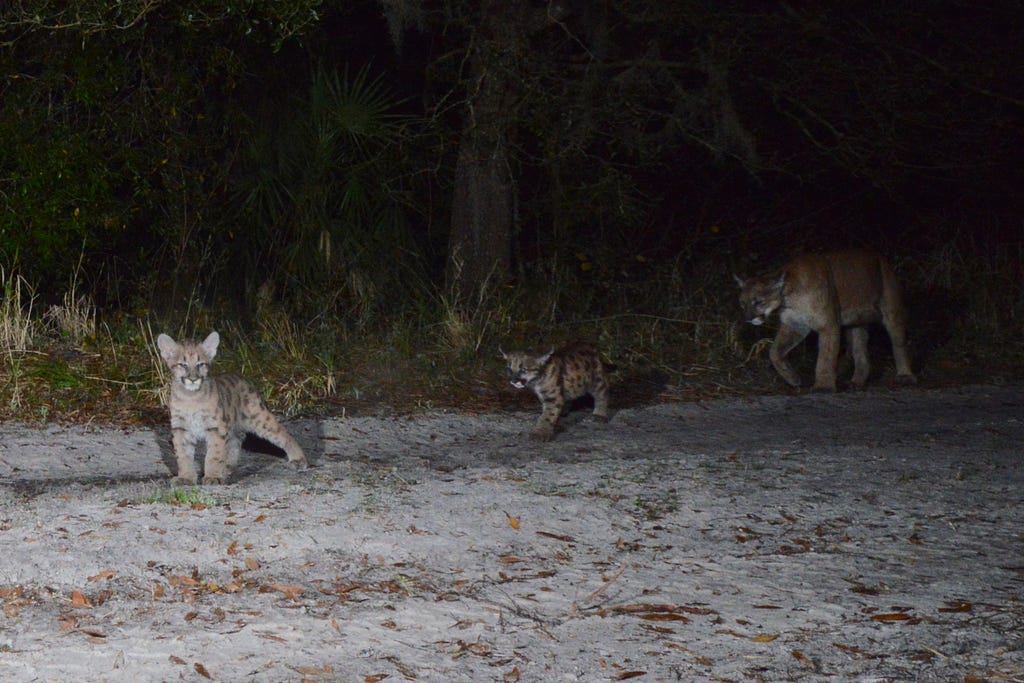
{"points": [[183, 366], [200, 365]]}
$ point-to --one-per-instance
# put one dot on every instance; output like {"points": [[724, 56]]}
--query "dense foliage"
{"points": [[320, 160]]}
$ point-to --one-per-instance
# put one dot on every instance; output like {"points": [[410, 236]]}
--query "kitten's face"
{"points": [[188, 361], [524, 369]]}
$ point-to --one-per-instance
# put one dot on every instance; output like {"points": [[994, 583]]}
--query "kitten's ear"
{"points": [[210, 345], [740, 281], [545, 358], [502, 352], [168, 347]]}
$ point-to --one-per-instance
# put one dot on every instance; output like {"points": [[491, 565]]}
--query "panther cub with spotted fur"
{"points": [[218, 410], [559, 377]]}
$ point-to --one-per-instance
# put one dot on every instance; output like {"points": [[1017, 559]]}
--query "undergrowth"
{"points": [[672, 331]]}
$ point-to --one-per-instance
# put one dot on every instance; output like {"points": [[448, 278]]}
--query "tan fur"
{"points": [[558, 377], [824, 293], [217, 410]]}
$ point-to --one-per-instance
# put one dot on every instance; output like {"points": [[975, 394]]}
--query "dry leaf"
{"points": [[956, 606], [79, 600], [513, 522], [557, 537], [201, 670], [509, 559], [251, 563], [290, 592], [623, 675], [105, 574], [233, 548], [376, 677], [664, 616], [764, 638], [894, 616], [177, 660], [512, 676], [314, 670]]}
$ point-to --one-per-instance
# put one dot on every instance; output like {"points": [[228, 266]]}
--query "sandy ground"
{"points": [[875, 536]]}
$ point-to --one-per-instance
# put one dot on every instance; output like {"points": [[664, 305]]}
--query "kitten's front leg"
{"points": [[600, 394], [296, 456], [216, 466], [185, 452], [551, 410]]}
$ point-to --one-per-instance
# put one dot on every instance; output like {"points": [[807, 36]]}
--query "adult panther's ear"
{"points": [[740, 281]]}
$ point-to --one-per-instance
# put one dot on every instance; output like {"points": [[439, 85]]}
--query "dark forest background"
{"points": [[439, 176]]}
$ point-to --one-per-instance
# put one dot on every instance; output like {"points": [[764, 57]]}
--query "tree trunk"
{"points": [[480, 242], [481, 233]]}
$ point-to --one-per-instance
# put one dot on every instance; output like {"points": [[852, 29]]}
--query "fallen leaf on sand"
{"points": [[956, 606], [512, 521], [105, 574], [290, 592], [664, 616], [201, 670], [893, 616], [314, 670], [78, 599]]}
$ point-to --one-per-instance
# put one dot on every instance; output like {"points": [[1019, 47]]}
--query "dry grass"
{"points": [[18, 327], [74, 318]]}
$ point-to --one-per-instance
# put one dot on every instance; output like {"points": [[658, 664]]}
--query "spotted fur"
{"points": [[559, 377], [218, 410]]}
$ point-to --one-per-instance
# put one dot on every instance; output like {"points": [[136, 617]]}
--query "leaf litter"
{"points": [[867, 536]]}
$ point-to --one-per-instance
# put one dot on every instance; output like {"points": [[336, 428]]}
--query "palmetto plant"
{"points": [[322, 195]]}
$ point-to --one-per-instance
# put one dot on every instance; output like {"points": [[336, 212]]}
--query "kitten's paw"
{"points": [[600, 418], [542, 434], [185, 481], [299, 465], [212, 481]]}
